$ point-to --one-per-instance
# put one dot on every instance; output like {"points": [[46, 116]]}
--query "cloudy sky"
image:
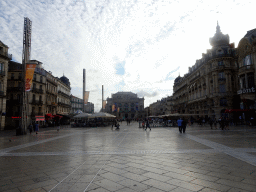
{"points": [[126, 45]]}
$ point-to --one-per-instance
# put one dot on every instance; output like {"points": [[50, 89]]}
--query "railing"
{"points": [[14, 88], [64, 104], [36, 102], [246, 68], [36, 90], [64, 94], [222, 79], [5, 54], [50, 80]]}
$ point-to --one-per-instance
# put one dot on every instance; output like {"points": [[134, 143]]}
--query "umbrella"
{"points": [[82, 115], [78, 112], [102, 115]]}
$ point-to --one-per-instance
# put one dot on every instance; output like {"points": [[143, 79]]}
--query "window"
{"points": [[1, 67], [247, 60], [250, 78], [242, 82], [12, 75], [222, 88], [41, 79], [20, 76], [34, 77], [220, 63], [223, 102], [41, 87], [222, 75]]}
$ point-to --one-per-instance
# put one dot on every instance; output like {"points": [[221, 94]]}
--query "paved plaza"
{"points": [[130, 159]]}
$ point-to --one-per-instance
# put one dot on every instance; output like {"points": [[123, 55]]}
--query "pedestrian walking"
{"points": [[215, 123], [147, 125], [30, 128], [180, 125], [210, 122], [36, 127], [184, 125]]}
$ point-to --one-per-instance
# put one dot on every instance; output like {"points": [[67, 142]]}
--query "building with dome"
{"points": [[210, 86], [126, 105], [63, 97]]}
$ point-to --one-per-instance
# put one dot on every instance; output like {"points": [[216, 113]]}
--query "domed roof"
{"points": [[177, 79], [65, 80], [219, 39]]}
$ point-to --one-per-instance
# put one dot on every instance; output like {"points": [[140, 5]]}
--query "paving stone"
{"points": [[134, 185], [109, 185], [159, 185], [186, 185], [103, 160]]}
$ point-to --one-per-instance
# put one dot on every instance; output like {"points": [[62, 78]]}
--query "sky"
{"points": [[126, 45]]}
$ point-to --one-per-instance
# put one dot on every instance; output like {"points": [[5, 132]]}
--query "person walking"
{"points": [[180, 125], [147, 125], [36, 127], [210, 122], [30, 127], [184, 125]]}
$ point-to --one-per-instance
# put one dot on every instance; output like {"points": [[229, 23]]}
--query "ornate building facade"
{"points": [[246, 52], [63, 87], [4, 60], [51, 94], [210, 86], [129, 104]]}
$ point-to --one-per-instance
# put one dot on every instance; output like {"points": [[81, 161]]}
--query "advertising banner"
{"points": [[86, 97], [29, 76], [113, 108]]}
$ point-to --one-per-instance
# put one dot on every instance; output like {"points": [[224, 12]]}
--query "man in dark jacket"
{"points": [[184, 125]]}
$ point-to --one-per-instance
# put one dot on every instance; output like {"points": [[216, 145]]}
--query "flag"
{"points": [[113, 108], [104, 104], [86, 97], [30, 69], [118, 109]]}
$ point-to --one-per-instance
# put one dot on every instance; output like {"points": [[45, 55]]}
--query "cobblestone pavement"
{"points": [[131, 159]]}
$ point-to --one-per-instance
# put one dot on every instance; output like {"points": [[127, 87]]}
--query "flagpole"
{"points": [[84, 88], [102, 97]]}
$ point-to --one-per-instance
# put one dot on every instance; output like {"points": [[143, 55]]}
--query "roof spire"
{"points": [[218, 28]]}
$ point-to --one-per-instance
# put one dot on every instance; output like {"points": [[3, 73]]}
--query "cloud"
{"points": [[124, 45], [146, 94]]}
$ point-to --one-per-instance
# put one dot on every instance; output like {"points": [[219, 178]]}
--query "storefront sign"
{"points": [[243, 91]]}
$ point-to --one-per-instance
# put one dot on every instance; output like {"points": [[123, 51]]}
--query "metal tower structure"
{"points": [[25, 59]]}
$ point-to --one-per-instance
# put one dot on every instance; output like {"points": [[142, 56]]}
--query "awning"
{"points": [[40, 118]]}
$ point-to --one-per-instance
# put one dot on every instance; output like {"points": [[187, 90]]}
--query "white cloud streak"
{"points": [[152, 38]]}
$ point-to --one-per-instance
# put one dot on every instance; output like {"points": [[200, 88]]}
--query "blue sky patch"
{"points": [[120, 68]]}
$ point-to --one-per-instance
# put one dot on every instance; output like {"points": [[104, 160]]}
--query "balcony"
{"points": [[36, 102], [64, 104], [36, 90], [51, 81], [51, 92], [39, 81], [221, 79], [11, 89], [246, 69], [14, 102], [6, 55], [64, 94]]}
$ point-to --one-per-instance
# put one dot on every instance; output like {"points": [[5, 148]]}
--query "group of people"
{"points": [[182, 124], [34, 127]]}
